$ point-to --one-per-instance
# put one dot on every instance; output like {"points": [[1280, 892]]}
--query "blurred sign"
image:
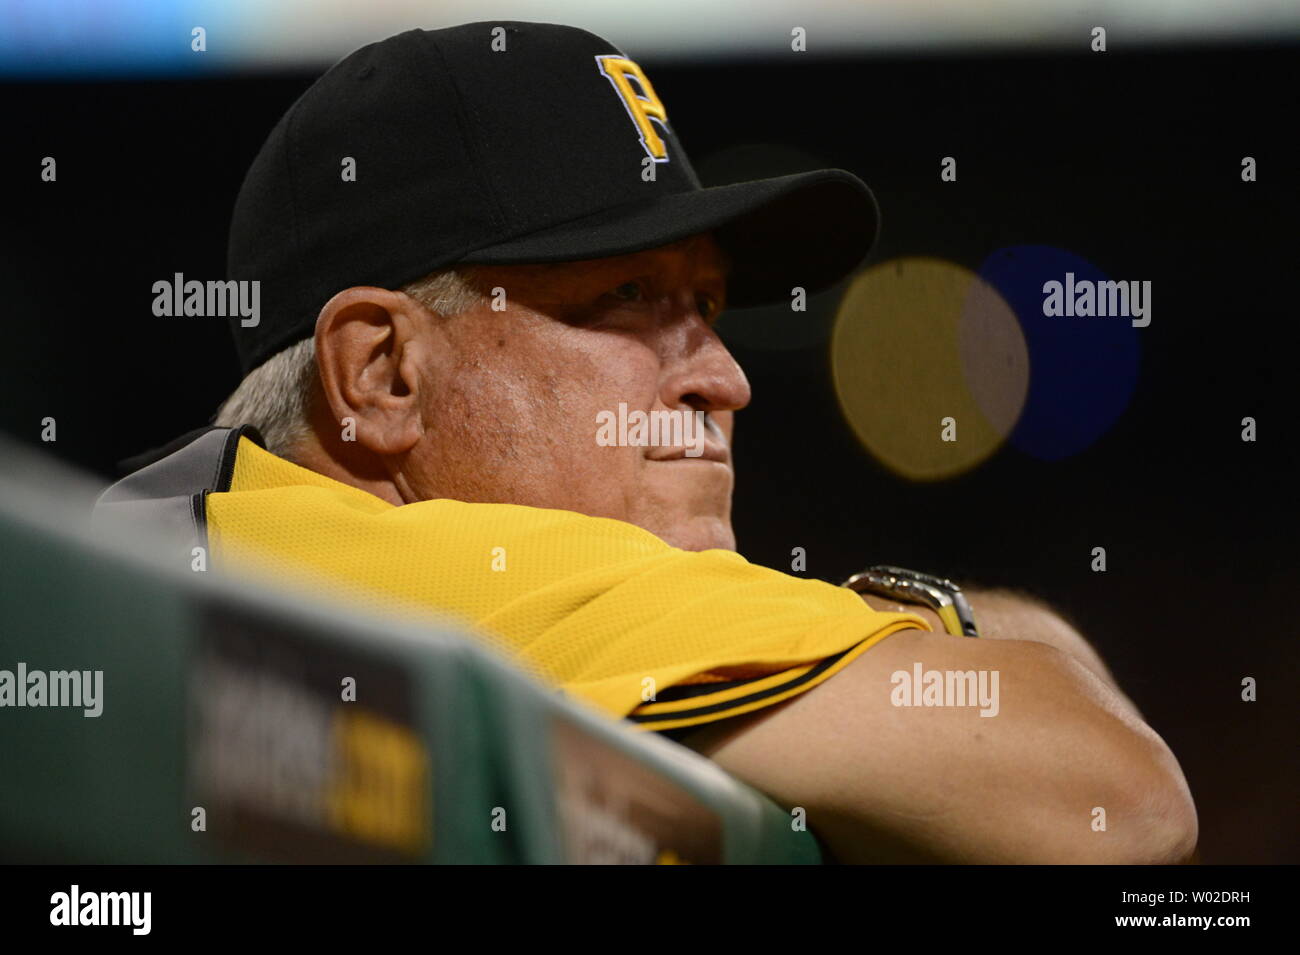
{"points": [[304, 748], [616, 810]]}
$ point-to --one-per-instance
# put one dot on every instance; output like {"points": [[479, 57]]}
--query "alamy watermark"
{"points": [[1085, 298], [920, 687], [211, 299], [652, 429], [83, 688], [76, 907]]}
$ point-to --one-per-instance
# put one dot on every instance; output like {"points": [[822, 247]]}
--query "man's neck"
{"points": [[351, 471]]}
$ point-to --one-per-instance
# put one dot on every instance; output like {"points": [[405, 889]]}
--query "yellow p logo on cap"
{"points": [[619, 70]]}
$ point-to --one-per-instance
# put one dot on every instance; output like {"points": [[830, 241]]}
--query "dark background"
{"points": [[1130, 158]]}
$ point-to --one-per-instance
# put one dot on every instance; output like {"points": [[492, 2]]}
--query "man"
{"points": [[477, 244]]}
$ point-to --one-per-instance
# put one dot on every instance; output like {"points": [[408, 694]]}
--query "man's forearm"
{"points": [[1012, 615], [884, 782], [1003, 614]]}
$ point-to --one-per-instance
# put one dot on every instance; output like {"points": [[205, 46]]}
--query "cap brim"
{"points": [[807, 230]]}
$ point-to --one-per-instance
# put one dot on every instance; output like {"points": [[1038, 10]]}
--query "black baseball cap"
{"points": [[505, 143]]}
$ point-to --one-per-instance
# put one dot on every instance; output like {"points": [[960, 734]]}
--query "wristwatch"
{"points": [[911, 586]]}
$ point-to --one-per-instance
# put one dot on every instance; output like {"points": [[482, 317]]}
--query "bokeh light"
{"points": [[919, 340], [1084, 368]]}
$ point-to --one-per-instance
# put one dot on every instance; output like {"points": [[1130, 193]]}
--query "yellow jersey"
{"points": [[599, 608]]}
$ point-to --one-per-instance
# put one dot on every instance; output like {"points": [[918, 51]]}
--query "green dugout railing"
{"points": [[239, 725]]}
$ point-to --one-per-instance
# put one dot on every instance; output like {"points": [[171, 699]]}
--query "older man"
{"points": [[474, 243]]}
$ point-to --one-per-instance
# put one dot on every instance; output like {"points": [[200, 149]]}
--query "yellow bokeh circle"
{"points": [[930, 366]]}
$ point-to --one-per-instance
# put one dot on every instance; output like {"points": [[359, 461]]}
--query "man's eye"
{"points": [[628, 292], [707, 306]]}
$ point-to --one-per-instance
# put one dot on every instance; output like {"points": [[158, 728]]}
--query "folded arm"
{"points": [[883, 783]]}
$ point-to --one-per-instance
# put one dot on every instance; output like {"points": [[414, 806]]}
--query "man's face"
{"points": [[515, 397]]}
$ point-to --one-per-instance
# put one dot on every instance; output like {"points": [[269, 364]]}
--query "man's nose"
{"points": [[705, 375]]}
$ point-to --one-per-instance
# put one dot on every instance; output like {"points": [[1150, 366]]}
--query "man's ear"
{"points": [[368, 352]]}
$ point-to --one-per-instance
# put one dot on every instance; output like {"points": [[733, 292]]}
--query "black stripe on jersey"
{"points": [[812, 674], [686, 691]]}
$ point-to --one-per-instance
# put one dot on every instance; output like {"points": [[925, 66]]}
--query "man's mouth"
{"points": [[710, 452]]}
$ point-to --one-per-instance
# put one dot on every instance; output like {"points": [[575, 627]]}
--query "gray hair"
{"points": [[276, 396]]}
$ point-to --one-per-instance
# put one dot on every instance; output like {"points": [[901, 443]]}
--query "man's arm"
{"points": [[1003, 614], [884, 783]]}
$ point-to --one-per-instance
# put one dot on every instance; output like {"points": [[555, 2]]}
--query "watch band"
{"points": [[911, 586]]}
